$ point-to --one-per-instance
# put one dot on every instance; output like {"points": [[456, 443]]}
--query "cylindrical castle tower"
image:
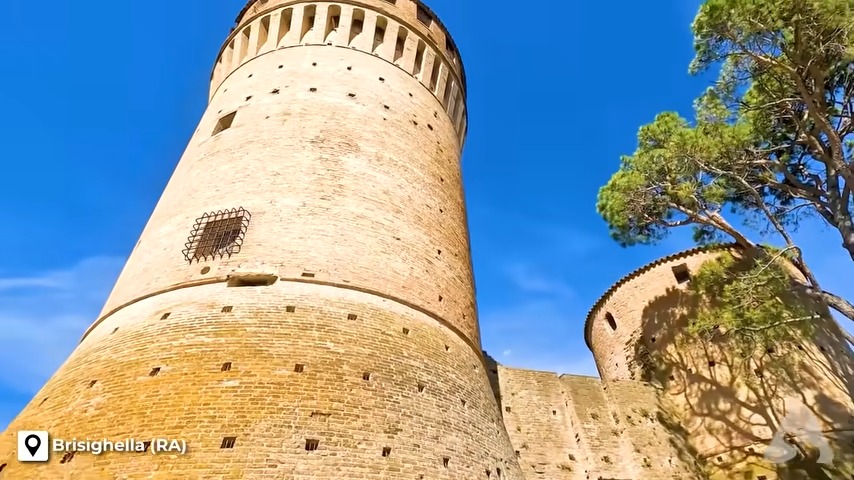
{"points": [[301, 302], [728, 409]]}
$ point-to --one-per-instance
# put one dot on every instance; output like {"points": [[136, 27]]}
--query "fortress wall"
{"points": [[427, 398], [350, 170], [657, 451], [539, 424], [608, 454], [574, 427]]}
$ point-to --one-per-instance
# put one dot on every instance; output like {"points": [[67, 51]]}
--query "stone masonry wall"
{"points": [[375, 375], [350, 169], [572, 427]]}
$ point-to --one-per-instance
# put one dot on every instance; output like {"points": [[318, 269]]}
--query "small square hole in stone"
{"points": [[445, 461], [307, 275], [507, 409], [366, 376], [290, 309], [154, 372], [228, 442], [92, 383], [299, 368], [227, 309], [351, 316], [386, 451], [67, 457], [405, 331], [311, 444], [145, 445], [421, 388], [226, 367], [681, 273], [115, 330], [712, 363], [165, 315]]}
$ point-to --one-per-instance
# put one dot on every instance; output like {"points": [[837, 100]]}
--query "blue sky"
{"points": [[100, 102]]}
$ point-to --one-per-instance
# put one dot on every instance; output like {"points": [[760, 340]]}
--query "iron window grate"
{"points": [[217, 234]]}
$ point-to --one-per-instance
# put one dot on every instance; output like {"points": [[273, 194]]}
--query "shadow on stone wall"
{"points": [[492, 373], [735, 400]]}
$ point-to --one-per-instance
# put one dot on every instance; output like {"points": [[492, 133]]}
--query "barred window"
{"points": [[217, 234]]}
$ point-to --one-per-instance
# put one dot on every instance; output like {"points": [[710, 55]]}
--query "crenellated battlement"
{"points": [[403, 33]]}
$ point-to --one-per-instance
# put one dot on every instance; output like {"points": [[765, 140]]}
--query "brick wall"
{"points": [[427, 397], [537, 420], [363, 190], [572, 427]]}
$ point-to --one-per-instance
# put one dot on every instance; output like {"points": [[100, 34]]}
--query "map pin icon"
{"points": [[33, 442]]}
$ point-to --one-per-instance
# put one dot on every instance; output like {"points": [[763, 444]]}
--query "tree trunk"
{"points": [[842, 306], [848, 243]]}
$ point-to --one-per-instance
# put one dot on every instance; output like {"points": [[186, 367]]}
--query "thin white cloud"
{"points": [[43, 318], [526, 278], [40, 282]]}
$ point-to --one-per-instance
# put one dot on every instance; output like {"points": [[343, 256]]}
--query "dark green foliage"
{"points": [[770, 143], [750, 301]]}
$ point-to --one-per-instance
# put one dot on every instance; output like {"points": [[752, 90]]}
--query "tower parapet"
{"points": [[404, 33]]}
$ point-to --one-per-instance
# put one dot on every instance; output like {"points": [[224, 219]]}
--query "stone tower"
{"points": [[301, 302], [725, 407]]}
